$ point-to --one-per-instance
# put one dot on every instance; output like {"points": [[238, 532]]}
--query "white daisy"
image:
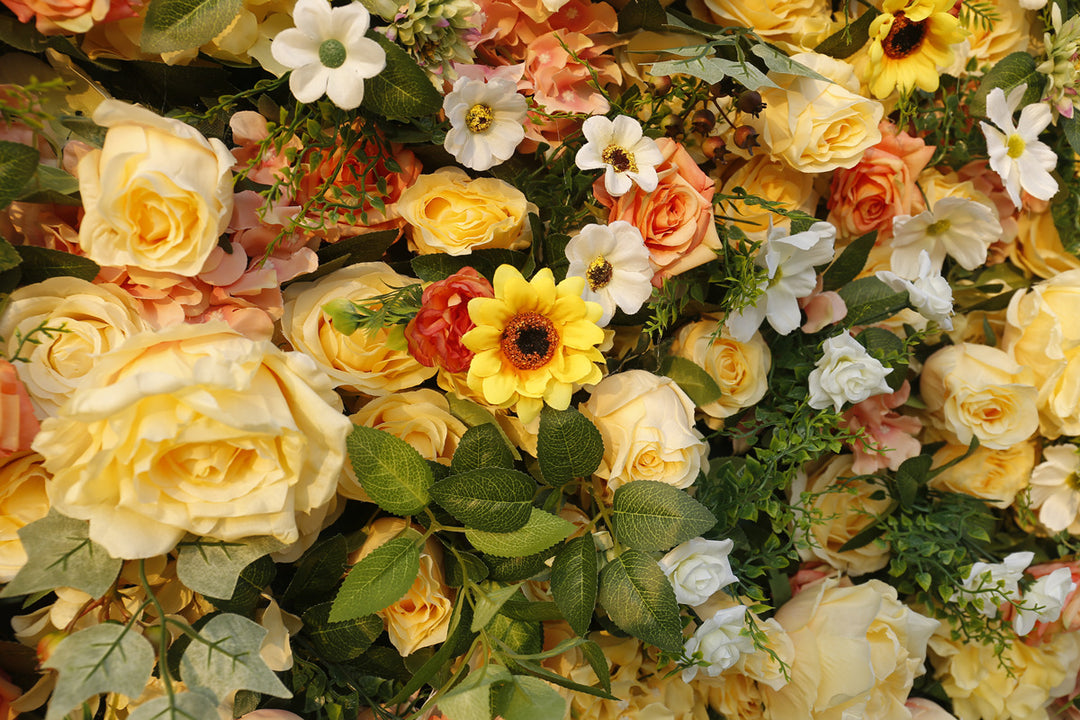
{"points": [[614, 261], [487, 121], [929, 294], [619, 146], [1055, 488], [328, 53], [1015, 152], [960, 228]]}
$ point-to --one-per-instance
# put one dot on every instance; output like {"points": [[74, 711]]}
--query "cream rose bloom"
{"points": [[194, 429], [741, 370], [421, 618], [96, 318], [975, 390], [647, 423], [359, 362], [815, 125], [858, 650], [22, 501], [157, 194], [993, 475], [447, 212], [803, 23], [766, 177]]}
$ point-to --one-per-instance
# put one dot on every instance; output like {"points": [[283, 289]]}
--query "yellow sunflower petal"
{"points": [[558, 395], [499, 388], [486, 364], [528, 408]]}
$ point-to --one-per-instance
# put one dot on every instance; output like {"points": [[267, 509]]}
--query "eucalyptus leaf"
{"points": [[210, 566], [104, 658], [225, 657]]}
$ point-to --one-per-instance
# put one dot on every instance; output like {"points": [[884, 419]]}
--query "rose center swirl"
{"points": [[529, 340], [619, 158], [904, 38]]}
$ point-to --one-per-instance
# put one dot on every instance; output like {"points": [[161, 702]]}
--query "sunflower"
{"points": [[909, 41], [534, 342]]}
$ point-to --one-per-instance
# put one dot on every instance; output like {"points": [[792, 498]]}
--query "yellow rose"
{"points": [[765, 177], [993, 475], [96, 319], [816, 125], [421, 618], [22, 501], [647, 423], [846, 509], [976, 390], [989, 43], [1038, 248], [194, 429], [447, 212], [157, 194], [858, 650], [741, 370], [359, 362], [802, 23]]}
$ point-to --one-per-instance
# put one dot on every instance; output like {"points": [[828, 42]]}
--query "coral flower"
{"points": [[535, 341], [909, 41]]}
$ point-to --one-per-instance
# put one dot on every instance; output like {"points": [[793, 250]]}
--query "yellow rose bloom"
{"points": [[534, 341], [909, 41]]}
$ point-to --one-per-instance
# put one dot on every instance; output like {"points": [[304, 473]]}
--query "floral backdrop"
{"points": [[526, 359]]}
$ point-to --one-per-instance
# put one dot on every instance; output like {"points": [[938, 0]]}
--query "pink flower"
{"points": [[18, 425], [888, 437], [822, 308]]}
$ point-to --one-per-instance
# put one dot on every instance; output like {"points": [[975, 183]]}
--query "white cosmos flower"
{"points": [[1015, 152], [1055, 490], [1044, 600], [929, 293], [720, 640], [614, 261], [960, 228], [328, 53], [487, 121], [846, 373], [619, 146], [1003, 577]]}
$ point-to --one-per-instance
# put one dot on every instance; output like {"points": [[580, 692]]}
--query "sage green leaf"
{"points": [[394, 475], [182, 706], [226, 657], [380, 579], [714, 69], [654, 516], [849, 263], [490, 597], [692, 378], [574, 582], [568, 446], [9, 258], [210, 567], [471, 698], [1071, 126], [481, 446], [848, 40], [340, 641], [250, 584], [402, 89], [60, 553], [528, 698], [51, 185], [100, 659], [777, 61], [1018, 68], [43, 263], [869, 300], [541, 532], [639, 600], [17, 165], [318, 572], [493, 499], [172, 25]]}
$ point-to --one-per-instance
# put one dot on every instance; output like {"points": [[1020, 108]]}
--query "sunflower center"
{"points": [[939, 227], [332, 53], [1015, 146], [529, 340], [479, 118], [598, 274], [619, 158], [904, 38]]}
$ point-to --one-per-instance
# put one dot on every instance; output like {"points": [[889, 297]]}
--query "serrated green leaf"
{"points": [[9, 258], [650, 515], [172, 25], [541, 532], [368, 247], [492, 499], [847, 41], [639, 599], [211, 566], [574, 582], [468, 566], [482, 446], [520, 608], [528, 698], [380, 579], [390, 470], [43, 263], [523, 638], [692, 378], [513, 569], [642, 15], [182, 706], [489, 598], [869, 300], [849, 263], [402, 89], [1015, 69], [17, 165], [439, 266], [102, 658], [340, 641], [473, 414], [568, 445], [598, 662], [714, 69], [318, 572], [226, 658], [60, 554], [471, 698]]}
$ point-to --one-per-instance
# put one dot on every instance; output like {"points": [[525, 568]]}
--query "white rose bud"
{"points": [[1044, 600], [846, 373], [720, 640], [698, 568]]}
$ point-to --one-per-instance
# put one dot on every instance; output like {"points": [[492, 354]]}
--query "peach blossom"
{"points": [[53, 17], [883, 429], [18, 425]]}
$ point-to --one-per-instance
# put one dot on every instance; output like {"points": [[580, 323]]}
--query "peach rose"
{"points": [[889, 438], [22, 501], [993, 475], [70, 16], [18, 426], [559, 68]]}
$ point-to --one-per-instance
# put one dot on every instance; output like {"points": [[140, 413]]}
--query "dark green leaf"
{"points": [[639, 599], [380, 579], [568, 445], [392, 473], [846, 41], [911, 475], [642, 15], [439, 266], [492, 499], [402, 89], [654, 516], [369, 247], [869, 300], [598, 662], [340, 641], [1015, 69], [482, 446], [43, 263], [574, 582], [17, 165], [172, 25], [847, 266], [692, 378], [541, 532], [1071, 126], [8, 257], [51, 185], [468, 566], [318, 572]]}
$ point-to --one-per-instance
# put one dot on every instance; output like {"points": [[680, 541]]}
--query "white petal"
{"points": [[294, 49], [997, 109], [588, 157], [308, 83], [345, 87], [366, 58], [597, 130], [1033, 120], [617, 183], [646, 178], [313, 18], [626, 131], [349, 23]]}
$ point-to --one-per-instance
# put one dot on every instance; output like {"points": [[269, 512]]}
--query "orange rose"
{"points": [[69, 16], [18, 425]]}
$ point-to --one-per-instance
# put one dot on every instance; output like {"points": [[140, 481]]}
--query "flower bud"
{"points": [[661, 85], [714, 148]]}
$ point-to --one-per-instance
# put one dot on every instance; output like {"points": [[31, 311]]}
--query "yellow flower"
{"points": [[534, 341], [909, 41]]}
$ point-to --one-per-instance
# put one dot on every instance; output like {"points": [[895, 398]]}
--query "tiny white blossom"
{"points": [[626, 154], [1015, 152], [1044, 600], [487, 121], [698, 568], [958, 227], [721, 640], [930, 293], [1004, 577], [614, 261], [846, 373]]}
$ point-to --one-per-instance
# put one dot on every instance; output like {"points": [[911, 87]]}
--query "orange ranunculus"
{"points": [[434, 335]]}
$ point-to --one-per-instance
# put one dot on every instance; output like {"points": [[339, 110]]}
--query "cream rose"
{"points": [[802, 23], [22, 501], [993, 475], [766, 177], [194, 429], [157, 195], [447, 212], [95, 318], [975, 390], [647, 423], [359, 362]]}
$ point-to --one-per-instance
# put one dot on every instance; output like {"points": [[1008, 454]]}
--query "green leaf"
{"points": [[714, 69], [889, 349], [1071, 126], [51, 185], [43, 263], [172, 25], [226, 658], [849, 263], [17, 165], [9, 258], [528, 698], [492, 499], [380, 579], [911, 475], [513, 569], [318, 572], [639, 599], [340, 641], [402, 89], [369, 247], [471, 698], [394, 475], [211, 566], [642, 15], [568, 445], [1015, 69], [535, 668], [490, 597], [184, 705], [541, 532], [777, 61], [869, 301], [469, 566], [439, 266], [60, 554], [102, 658], [250, 584], [692, 378], [847, 41], [482, 446], [473, 414], [598, 662], [650, 515], [574, 582]]}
